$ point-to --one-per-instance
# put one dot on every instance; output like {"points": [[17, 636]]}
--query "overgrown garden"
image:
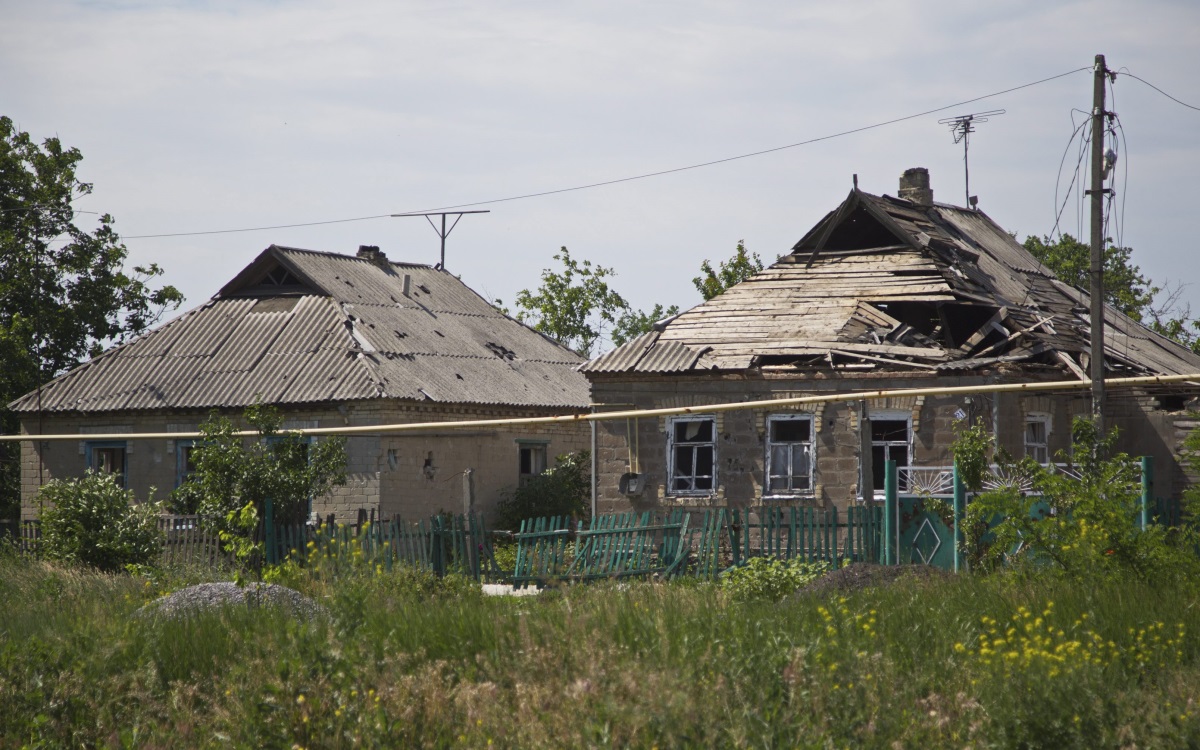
{"points": [[1093, 641]]}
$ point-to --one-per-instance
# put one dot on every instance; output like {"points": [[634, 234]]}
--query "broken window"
{"points": [[692, 455], [1037, 437], [531, 461], [789, 454], [890, 439], [107, 458]]}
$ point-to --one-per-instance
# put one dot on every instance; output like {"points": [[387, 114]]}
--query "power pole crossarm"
{"points": [[1097, 230]]}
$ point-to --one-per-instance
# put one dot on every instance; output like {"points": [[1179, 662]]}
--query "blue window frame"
{"points": [[108, 457]]}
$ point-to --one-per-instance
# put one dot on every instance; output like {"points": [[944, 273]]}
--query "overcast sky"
{"points": [[199, 116]]}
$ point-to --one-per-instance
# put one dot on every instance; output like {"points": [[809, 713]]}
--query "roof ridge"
{"points": [[343, 256]]}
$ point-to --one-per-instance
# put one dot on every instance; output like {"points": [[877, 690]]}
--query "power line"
{"points": [[604, 183], [1156, 88]]}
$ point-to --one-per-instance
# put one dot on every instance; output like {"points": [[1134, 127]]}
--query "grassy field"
{"points": [[405, 660]]}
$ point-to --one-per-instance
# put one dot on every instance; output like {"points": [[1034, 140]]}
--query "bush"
{"points": [[770, 578], [93, 521], [564, 490], [1086, 525]]}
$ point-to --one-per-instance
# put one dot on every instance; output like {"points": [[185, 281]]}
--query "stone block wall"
{"points": [[385, 473], [640, 445]]}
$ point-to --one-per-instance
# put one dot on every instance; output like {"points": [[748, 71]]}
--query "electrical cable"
{"points": [[1156, 88], [1071, 187], [622, 179]]}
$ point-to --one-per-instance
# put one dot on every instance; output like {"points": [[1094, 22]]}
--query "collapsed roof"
{"points": [[298, 326], [885, 283]]}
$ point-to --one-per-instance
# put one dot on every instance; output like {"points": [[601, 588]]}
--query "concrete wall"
{"points": [[385, 473], [641, 445]]}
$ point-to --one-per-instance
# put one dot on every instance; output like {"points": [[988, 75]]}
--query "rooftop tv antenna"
{"points": [[443, 232], [961, 128]]}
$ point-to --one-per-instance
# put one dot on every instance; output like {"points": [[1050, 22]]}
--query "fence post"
{"points": [[890, 503], [960, 505], [269, 531], [1147, 488]]}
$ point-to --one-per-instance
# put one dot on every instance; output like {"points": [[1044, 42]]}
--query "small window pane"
{"points": [[800, 463]]}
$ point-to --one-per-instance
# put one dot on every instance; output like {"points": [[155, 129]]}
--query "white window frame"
{"points": [[1043, 419], [889, 415], [791, 490], [696, 445], [538, 459]]}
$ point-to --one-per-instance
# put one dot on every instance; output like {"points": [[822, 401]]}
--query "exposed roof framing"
{"points": [[883, 283]]}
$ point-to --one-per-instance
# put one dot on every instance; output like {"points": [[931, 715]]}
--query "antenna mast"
{"points": [[443, 232], [962, 127]]}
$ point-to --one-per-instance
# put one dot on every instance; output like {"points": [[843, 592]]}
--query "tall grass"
{"points": [[406, 660]]}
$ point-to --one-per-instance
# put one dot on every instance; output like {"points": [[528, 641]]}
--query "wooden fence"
{"points": [[699, 543], [442, 544]]}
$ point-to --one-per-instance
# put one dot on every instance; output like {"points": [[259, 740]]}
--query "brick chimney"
{"points": [[374, 254], [914, 186]]}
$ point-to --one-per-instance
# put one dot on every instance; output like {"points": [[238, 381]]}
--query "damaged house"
{"points": [[883, 293], [333, 341]]}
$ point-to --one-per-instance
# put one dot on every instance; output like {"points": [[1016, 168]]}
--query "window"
{"points": [[107, 458], [532, 461], [185, 461], [1037, 437], [889, 442], [789, 455], [692, 456]]}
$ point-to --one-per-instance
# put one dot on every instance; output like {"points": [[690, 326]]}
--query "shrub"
{"points": [[770, 578], [563, 490], [93, 521], [1084, 525]]}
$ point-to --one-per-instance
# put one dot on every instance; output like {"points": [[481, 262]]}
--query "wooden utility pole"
{"points": [[1097, 275]]}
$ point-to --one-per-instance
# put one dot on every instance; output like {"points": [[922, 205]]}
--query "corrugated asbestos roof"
{"points": [[297, 326], [882, 283]]}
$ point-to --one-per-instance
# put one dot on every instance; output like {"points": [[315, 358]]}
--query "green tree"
{"points": [[233, 472], [577, 308], [738, 268], [64, 291], [634, 323]]}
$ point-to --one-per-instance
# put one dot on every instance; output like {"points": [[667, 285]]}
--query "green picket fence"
{"points": [[442, 544], [808, 534], [616, 545], [702, 544]]}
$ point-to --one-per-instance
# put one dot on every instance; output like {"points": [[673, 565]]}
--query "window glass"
{"points": [[108, 458], [1037, 431], [185, 460], [531, 461], [789, 454], [692, 455]]}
